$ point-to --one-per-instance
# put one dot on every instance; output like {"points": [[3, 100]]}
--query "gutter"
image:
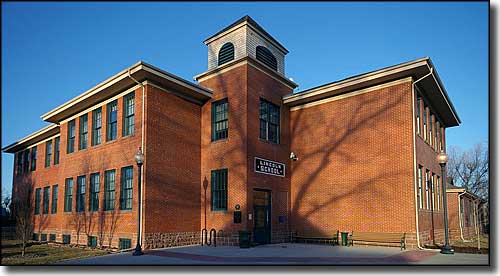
{"points": [[143, 150], [415, 162]]}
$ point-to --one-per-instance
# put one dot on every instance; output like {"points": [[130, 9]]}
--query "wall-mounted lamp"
{"points": [[293, 156]]}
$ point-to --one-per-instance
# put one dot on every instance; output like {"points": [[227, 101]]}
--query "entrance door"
{"points": [[262, 216]]}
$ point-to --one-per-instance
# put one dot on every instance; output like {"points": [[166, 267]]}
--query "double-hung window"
{"points": [[46, 198], [219, 120], [56, 151], [48, 153], [71, 136], [112, 118], [55, 194], [219, 189], [26, 160], [269, 118], [427, 190], [109, 190], [128, 114], [68, 195], [419, 99], [431, 128], [84, 129], [94, 192], [33, 158], [96, 126], [127, 177], [80, 193], [433, 192], [38, 195], [420, 186], [19, 157], [425, 122], [438, 190]]}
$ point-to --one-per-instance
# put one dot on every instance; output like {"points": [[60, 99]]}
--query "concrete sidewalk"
{"points": [[282, 254]]}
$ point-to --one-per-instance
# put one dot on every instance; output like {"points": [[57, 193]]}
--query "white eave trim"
{"points": [[356, 80], [122, 75], [31, 136]]}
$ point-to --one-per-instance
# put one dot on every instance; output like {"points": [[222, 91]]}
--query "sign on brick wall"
{"points": [[269, 167]]}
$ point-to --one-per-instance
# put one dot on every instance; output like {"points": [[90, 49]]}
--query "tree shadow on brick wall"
{"points": [[361, 115]]}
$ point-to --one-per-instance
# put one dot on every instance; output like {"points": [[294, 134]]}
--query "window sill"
{"points": [[268, 142], [219, 141]]}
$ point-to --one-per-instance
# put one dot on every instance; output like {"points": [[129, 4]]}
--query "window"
{"points": [[94, 192], [438, 136], [26, 160], [425, 122], [46, 198], [419, 99], [38, 195], [127, 177], [431, 128], [48, 153], [56, 151], [66, 239], [219, 120], [112, 121], [35, 236], [84, 129], [219, 189], [109, 190], [71, 136], [80, 193], [433, 193], [33, 158], [52, 237], [92, 241], [68, 195], [19, 163], [420, 198], [427, 191], [43, 237], [125, 244], [269, 116], [96, 126], [55, 194], [226, 53], [263, 54], [128, 114]]}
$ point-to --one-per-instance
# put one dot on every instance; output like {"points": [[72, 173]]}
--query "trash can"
{"points": [[344, 238], [245, 239]]}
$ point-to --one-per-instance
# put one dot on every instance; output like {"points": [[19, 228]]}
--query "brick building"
{"points": [[240, 151], [465, 215]]}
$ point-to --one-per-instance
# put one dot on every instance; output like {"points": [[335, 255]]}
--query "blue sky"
{"points": [[52, 52]]}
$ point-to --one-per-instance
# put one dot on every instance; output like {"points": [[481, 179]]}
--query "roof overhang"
{"points": [[250, 61], [429, 83], [33, 138], [462, 190], [140, 71]]}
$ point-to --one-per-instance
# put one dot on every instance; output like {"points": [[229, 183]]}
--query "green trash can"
{"points": [[344, 238], [245, 238]]}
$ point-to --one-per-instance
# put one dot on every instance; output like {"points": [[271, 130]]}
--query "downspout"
{"points": [[415, 161], [460, 219], [143, 150]]}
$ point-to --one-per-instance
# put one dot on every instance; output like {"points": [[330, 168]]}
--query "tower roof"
{"points": [[247, 19]]}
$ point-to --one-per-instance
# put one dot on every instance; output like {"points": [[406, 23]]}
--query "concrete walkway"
{"points": [[282, 254]]}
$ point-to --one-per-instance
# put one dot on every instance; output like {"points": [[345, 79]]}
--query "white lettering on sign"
{"points": [[269, 167]]}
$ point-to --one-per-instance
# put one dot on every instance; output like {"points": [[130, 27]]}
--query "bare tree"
{"points": [[23, 211], [470, 169], [101, 226], [78, 221], [112, 224]]}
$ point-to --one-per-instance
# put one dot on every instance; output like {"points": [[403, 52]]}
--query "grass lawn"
{"points": [[43, 254]]}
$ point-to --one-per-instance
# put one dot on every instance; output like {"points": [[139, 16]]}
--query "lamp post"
{"points": [[442, 158], [139, 159]]}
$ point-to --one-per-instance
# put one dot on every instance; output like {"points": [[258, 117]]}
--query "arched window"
{"points": [[264, 55], [226, 53]]}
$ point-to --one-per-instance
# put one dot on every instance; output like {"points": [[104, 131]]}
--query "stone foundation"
{"points": [[162, 240]]}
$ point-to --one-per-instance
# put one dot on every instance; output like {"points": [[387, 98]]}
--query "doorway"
{"points": [[262, 216]]}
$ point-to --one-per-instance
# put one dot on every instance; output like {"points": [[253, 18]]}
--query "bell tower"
{"points": [[245, 38]]}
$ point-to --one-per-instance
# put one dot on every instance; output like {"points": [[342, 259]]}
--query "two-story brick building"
{"points": [[240, 151]]}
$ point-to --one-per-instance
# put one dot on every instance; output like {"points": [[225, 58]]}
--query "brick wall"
{"points": [[355, 167]]}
